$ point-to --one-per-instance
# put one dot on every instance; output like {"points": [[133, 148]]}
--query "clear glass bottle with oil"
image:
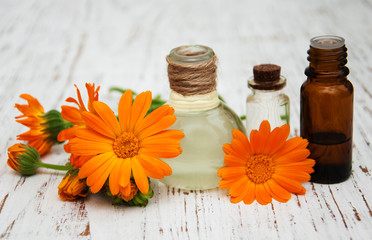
{"points": [[267, 101], [327, 109], [206, 122]]}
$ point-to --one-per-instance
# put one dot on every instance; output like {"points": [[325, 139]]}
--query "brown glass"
{"points": [[326, 116]]}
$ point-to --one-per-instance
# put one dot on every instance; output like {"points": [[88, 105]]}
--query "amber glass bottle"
{"points": [[327, 110]]}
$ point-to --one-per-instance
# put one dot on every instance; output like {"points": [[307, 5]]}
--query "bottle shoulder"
{"points": [[325, 87], [221, 116]]}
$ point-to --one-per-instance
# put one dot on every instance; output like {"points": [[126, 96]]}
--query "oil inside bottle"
{"points": [[332, 152]]}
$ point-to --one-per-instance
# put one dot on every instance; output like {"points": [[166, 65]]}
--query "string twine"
{"points": [[192, 79]]}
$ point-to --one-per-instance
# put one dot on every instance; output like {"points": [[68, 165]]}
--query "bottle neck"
{"points": [[193, 103], [327, 57]]}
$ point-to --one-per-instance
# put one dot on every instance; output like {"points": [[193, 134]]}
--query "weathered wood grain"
{"points": [[47, 46]]}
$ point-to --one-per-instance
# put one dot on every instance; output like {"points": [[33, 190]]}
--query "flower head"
{"points": [[74, 115], [44, 127], [71, 187], [23, 159], [268, 166], [128, 147]]}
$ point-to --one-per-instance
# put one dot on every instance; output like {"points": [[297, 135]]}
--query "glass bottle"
{"points": [[327, 109], [206, 122], [267, 101]]}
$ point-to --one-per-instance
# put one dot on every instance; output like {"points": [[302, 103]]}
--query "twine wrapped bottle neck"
{"points": [[192, 73], [192, 70]]}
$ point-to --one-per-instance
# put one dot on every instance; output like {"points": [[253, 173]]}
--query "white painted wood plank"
{"points": [[46, 47]]}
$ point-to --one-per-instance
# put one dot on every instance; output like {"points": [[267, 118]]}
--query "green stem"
{"points": [[55, 167]]}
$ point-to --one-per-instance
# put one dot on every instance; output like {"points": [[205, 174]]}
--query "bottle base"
{"points": [[330, 173]]}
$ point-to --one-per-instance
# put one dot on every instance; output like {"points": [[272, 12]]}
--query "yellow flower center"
{"points": [[126, 145], [260, 168]]}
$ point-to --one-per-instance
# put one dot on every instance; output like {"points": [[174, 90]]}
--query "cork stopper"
{"points": [[267, 77]]}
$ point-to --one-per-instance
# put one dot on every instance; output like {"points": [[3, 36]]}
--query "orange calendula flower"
{"points": [[33, 118], [71, 187], [74, 115], [130, 146], [268, 166]]}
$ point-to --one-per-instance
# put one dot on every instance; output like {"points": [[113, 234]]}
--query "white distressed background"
{"points": [[47, 46]]}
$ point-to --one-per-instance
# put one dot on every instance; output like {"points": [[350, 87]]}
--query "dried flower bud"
{"points": [[71, 187]]}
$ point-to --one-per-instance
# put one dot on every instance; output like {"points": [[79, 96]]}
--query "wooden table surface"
{"points": [[47, 46]]}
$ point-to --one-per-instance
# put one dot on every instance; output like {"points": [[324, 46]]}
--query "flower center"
{"points": [[260, 168], [126, 145]]}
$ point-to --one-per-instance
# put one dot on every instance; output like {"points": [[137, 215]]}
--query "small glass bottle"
{"points": [[206, 122], [327, 109], [267, 101]]}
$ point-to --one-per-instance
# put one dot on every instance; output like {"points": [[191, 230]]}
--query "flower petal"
{"points": [[262, 196], [289, 184], [241, 196], [152, 118], [140, 107], [125, 106], [97, 124], [125, 172], [293, 156], [276, 139], [139, 176], [94, 163], [152, 163], [159, 126], [99, 177], [108, 116], [292, 144], [114, 178], [242, 138], [92, 135], [250, 196], [84, 147], [276, 191]]}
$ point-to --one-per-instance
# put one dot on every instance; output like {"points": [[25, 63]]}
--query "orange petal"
{"points": [[241, 196], [159, 126], [262, 196], [72, 114], [305, 166], [153, 117], [233, 161], [276, 139], [152, 169], [289, 184], [226, 183], [292, 144], [238, 186], [100, 176], [125, 106], [140, 107], [276, 191], [241, 149], [227, 148], [67, 134], [159, 143], [92, 135], [237, 134], [83, 147], [107, 116], [293, 156], [114, 178], [231, 172], [167, 134], [293, 173], [161, 152], [93, 164], [125, 172], [250, 196], [139, 176], [98, 125], [154, 163]]}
